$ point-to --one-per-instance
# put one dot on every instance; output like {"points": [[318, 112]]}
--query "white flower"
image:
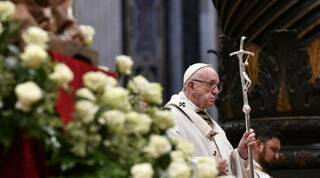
{"points": [[114, 119], [179, 170], [7, 10], [177, 156], [138, 123], [79, 149], [97, 80], [1, 104], [143, 170], [158, 146], [1, 28], [117, 98], [137, 84], [206, 168], [164, 119], [226, 176], [27, 94], [153, 93], [183, 146], [35, 35], [150, 92], [104, 68], [88, 33], [124, 64], [86, 110], [33, 56], [86, 94], [62, 74]]}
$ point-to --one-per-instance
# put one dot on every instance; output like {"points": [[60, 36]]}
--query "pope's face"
{"points": [[206, 87], [270, 152]]}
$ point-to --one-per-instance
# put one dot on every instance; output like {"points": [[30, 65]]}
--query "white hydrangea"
{"points": [[206, 168], [138, 123], [33, 56], [124, 64], [158, 146], [142, 170], [27, 94], [7, 10], [98, 80], [62, 74], [35, 35]]}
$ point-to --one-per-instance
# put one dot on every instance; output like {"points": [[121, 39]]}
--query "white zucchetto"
{"points": [[192, 70]]}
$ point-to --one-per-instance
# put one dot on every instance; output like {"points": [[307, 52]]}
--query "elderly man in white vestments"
{"points": [[265, 151], [200, 91]]}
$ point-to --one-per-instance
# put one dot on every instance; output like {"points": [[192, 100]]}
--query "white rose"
{"points": [[114, 119], [79, 149], [138, 123], [164, 119], [158, 146], [206, 168], [88, 33], [62, 74], [117, 98], [183, 146], [150, 92], [226, 176], [153, 93], [179, 170], [143, 170], [124, 64], [97, 80], [7, 10], [136, 85], [177, 156], [86, 94], [1, 104], [27, 94], [35, 35], [33, 56], [86, 110], [1, 28]]}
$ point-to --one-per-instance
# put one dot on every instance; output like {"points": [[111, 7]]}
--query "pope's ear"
{"points": [[260, 145], [190, 84]]}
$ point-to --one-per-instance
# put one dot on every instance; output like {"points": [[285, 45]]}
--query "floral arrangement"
{"points": [[118, 130], [29, 81]]}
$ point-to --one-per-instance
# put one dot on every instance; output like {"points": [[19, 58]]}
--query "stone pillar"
{"points": [[106, 17]]}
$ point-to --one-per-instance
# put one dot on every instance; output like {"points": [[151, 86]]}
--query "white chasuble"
{"points": [[259, 172], [208, 141]]}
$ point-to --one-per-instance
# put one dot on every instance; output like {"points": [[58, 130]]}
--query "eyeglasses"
{"points": [[211, 85]]}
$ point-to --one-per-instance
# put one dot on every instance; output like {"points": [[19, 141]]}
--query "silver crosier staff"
{"points": [[245, 83]]}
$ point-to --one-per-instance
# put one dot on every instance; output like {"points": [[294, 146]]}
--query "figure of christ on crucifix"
{"points": [[245, 84]]}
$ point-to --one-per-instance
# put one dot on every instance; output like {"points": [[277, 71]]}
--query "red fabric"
{"points": [[24, 159], [65, 101]]}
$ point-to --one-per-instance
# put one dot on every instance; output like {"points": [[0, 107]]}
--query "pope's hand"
{"points": [[248, 139], [222, 167]]}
